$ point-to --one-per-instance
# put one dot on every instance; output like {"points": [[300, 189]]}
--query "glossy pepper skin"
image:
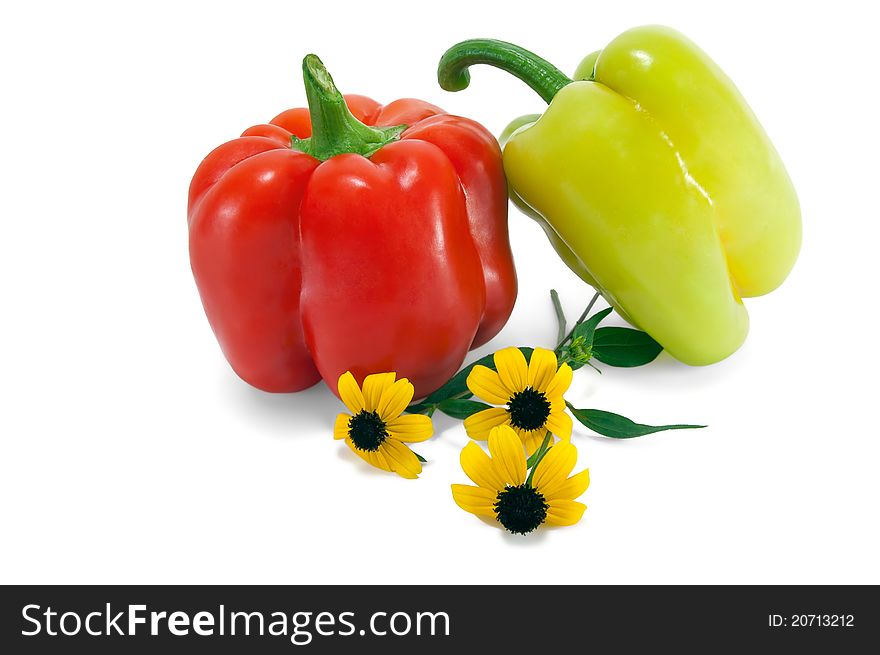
{"points": [[655, 183], [377, 243]]}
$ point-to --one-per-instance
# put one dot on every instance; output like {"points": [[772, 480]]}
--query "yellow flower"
{"points": [[503, 491], [375, 429], [532, 393]]}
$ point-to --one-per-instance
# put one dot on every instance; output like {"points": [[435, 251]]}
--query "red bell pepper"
{"points": [[352, 236]]}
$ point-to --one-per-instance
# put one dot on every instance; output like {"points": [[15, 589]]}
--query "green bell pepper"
{"points": [[654, 182]]}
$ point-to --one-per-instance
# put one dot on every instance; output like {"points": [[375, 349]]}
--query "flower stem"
{"points": [[560, 315], [539, 455], [579, 321]]}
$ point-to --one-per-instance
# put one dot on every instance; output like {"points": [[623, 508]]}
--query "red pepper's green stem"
{"points": [[334, 130], [541, 75]]}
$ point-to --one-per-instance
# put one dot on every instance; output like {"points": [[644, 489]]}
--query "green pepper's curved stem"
{"points": [[541, 75], [334, 129]]}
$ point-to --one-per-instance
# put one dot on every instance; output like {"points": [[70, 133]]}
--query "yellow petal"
{"points": [[403, 461], [555, 466], [560, 383], [350, 392], [542, 368], [410, 428], [568, 489], [478, 425], [478, 467], [485, 383], [559, 423], [474, 499], [372, 457], [507, 455], [512, 369], [340, 428], [564, 512], [374, 385], [377, 459], [395, 399]]}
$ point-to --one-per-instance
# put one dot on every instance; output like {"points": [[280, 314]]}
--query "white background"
{"points": [[132, 454]]}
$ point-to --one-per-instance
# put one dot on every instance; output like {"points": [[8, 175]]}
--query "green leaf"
{"points": [[457, 384], [420, 458], [460, 408], [625, 347], [620, 427], [588, 327], [420, 408]]}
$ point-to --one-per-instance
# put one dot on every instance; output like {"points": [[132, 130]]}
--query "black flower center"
{"points": [[528, 409], [520, 509], [367, 430]]}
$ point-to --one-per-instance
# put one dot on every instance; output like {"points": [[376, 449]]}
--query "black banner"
{"points": [[436, 619]]}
